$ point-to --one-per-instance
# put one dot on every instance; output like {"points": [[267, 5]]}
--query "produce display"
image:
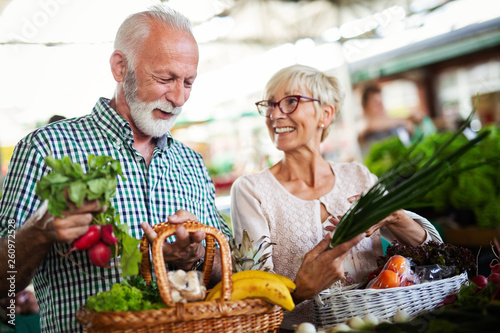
{"points": [[106, 236]]}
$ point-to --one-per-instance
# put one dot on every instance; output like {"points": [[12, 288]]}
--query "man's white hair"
{"points": [[135, 29]]}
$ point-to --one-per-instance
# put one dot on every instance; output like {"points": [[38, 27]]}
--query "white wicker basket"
{"points": [[335, 306]]}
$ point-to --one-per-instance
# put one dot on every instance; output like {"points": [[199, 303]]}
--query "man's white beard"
{"points": [[142, 112]]}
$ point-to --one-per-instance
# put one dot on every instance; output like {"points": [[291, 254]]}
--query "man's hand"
{"points": [[65, 229], [321, 268], [187, 248]]}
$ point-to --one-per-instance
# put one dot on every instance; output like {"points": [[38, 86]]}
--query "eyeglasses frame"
{"points": [[274, 104]]}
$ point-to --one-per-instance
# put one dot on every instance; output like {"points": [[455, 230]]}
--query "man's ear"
{"points": [[118, 64]]}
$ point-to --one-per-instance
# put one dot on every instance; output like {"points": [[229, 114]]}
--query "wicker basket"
{"points": [[221, 315], [333, 307]]}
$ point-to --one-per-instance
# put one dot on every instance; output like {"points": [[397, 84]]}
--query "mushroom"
{"points": [[194, 291], [178, 282]]}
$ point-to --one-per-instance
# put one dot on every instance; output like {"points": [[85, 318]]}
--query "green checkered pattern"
{"points": [[176, 179]]}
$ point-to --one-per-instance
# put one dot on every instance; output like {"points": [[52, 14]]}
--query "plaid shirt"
{"points": [[176, 179]]}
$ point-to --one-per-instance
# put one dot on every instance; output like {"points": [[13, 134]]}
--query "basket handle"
{"points": [[165, 230]]}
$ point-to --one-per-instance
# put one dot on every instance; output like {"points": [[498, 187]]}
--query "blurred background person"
{"points": [[55, 118], [377, 124]]}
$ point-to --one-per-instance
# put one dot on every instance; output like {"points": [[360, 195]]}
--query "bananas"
{"points": [[273, 288]]}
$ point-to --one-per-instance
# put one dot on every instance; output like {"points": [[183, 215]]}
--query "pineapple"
{"points": [[247, 256]]}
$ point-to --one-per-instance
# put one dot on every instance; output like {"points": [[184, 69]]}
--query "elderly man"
{"points": [[154, 64]]}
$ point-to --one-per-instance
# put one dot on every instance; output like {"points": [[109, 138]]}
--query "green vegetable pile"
{"points": [[122, 298], [433, 253], [477, 190], [68, 182], [150, 291]]}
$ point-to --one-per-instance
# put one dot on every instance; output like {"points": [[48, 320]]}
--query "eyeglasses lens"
{"points": [[289, 104]]}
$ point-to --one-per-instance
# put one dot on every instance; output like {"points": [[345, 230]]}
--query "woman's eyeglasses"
{"points": [[287, 104]]}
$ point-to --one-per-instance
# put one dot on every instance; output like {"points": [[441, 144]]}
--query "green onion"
{"points": [[403, 183]]}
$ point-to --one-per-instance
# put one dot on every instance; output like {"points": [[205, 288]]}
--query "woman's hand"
{"points": [[187, 248], [397, 217], [321, 268], [402, 226]]}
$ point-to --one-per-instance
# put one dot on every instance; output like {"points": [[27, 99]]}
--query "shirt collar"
{"points": [[118, 129]]}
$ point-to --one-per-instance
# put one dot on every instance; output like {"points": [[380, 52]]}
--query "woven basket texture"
{"points": [[333, 307], [220, 315]]}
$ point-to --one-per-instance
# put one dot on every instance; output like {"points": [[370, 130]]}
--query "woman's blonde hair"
{"points": [[324, 87]]}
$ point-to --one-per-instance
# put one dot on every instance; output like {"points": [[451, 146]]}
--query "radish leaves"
{"points": [[69, 182]]}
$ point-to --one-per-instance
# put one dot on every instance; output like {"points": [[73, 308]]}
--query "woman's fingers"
{"points": [[353, 198]]}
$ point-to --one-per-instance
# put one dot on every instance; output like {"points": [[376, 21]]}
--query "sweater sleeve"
{"points": [[247, 214], [432, 233]]}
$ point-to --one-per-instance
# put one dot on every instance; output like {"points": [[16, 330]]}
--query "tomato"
{"points": [[406, 283], [386, 279], [396, 264]]}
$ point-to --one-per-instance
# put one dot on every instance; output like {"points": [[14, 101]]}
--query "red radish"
{"points": [[107, 235], [100, 254], [88, 240], [494, 277], [450, 299], [495, 268], [480, 281]]}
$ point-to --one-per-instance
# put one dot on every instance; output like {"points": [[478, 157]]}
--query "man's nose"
{"points": [[179, 94]]}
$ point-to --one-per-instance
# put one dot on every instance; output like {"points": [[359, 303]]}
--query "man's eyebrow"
{"points": [[172, 75]]}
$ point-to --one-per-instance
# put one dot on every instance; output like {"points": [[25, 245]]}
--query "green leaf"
{"points": [[77, 191], [56, 178], [130, 257], [97, 186]]}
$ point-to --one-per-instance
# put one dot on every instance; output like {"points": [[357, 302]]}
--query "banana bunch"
{"points": [[273, 288]]}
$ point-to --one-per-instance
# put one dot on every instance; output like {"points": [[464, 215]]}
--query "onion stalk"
{"points": [[403, 183]]}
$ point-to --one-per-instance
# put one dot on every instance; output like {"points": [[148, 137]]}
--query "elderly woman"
{"points": [[296, 202]]}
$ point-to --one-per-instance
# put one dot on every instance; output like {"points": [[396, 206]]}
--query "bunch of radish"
{"points": [[480, 281], [97, 241]]}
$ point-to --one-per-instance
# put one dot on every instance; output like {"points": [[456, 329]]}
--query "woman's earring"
{"points": [[322, 125]]}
